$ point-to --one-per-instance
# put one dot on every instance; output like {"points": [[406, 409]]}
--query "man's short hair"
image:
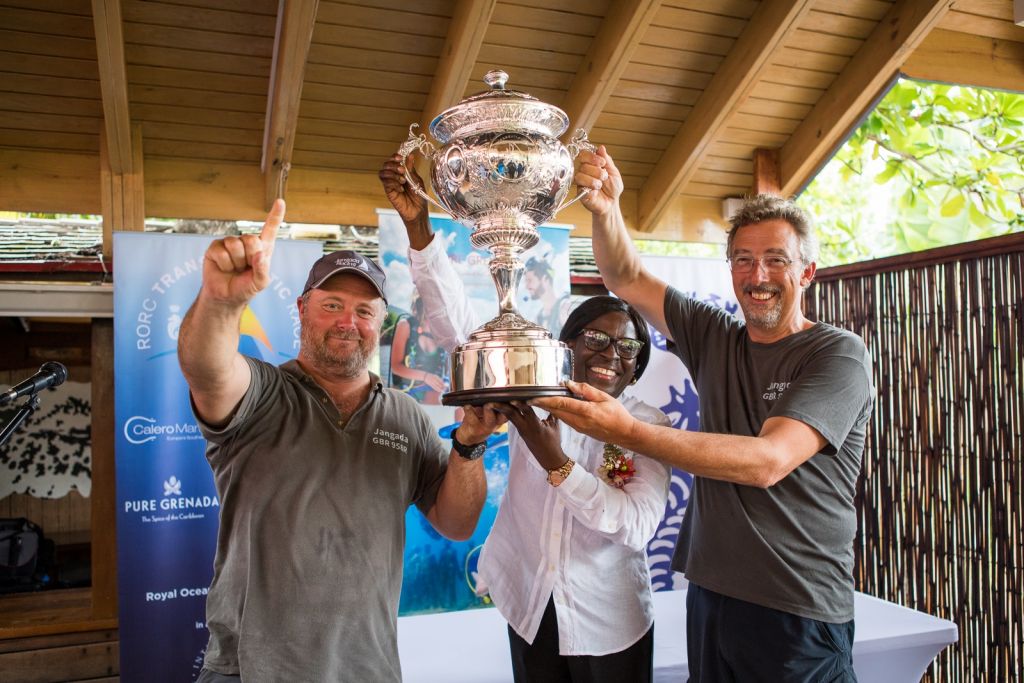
{"points": [[768, 207], [540, 267]]}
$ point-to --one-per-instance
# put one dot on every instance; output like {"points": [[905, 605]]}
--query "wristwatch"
{"points": [[557, 476], [468, 451]]}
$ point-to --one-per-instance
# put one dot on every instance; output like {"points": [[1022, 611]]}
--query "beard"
{"points": [[764, 318], [346, 363]]}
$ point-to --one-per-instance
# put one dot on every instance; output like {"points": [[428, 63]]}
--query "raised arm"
{"points": [[445, 303], [464, 489], [235, 269], [616, 257]]}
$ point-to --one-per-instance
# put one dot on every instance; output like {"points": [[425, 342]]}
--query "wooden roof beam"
{"points": [[965, 59], [764, 35], [857, 88], [295, 21], [458, 56], [610, 53], [117, 122]]}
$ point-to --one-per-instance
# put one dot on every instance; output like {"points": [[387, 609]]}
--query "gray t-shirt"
{"points": [[788, 547], [312, 528]]}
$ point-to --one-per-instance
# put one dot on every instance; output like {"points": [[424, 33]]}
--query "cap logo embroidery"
{"points": [[349, 262]]}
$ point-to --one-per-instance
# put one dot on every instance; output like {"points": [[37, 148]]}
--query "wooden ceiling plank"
{"points": [[113, 84], [510, 14], [48, 104], [206, 62], [462, 45], [295, 21], [53, 46], [765, 33], [49, 85], [609, 54], [140, 75], [856, 88], [983, 25], [51, 122], [527, 59], [215, 42], [537, 38], [57, 142], [385, 19], [177, 16], [47, 23], [954, 57]]}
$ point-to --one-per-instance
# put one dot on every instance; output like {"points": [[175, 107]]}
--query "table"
{"points": [[892, 643]]}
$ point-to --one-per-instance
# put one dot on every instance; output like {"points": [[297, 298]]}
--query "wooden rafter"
{"points": [[458, 56], [117, 123], [764, 34], [859, 85], [295, 20], [766, 172], [621, 32], [980, 61]]}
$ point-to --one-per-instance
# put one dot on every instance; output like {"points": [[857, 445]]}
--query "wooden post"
{"points": [[766, 172], [122, 195], [104, 491]]}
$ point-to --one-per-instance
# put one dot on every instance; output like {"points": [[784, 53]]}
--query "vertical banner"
{"points": [[439, 574], [666, 384], [168, 511]]}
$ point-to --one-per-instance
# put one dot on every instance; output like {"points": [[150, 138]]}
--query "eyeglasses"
{"points": [[627, 348], [772, 264]]}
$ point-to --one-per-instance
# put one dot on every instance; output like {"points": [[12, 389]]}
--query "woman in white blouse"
{"points": [[565, 561]]}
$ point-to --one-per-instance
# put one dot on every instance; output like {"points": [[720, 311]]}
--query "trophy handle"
{"points": [[419, 143], [578, 143]]}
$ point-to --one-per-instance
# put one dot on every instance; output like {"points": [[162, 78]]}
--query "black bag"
{"points": [[20, 544]]}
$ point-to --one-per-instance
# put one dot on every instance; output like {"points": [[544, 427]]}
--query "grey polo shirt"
{"points": [[308, 568]]}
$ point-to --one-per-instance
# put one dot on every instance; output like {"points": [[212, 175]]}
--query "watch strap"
{"points": [[468, 451]]}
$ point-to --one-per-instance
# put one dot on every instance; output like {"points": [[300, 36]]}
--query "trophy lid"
{"points": [[498, 110]]}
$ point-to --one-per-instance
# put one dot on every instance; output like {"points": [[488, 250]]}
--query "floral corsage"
{"points": [[617, 467]]}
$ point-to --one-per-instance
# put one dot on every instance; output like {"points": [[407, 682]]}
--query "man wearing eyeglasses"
{"points": [[767, 538]]}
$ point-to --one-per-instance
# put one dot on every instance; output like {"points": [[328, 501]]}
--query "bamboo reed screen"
{"points": [[941, 502]]}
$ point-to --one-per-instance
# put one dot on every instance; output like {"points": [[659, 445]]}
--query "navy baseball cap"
{"points": [[345, 261]]}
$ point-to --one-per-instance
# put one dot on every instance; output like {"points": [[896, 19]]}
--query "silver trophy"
{"points": [[502, 171]]}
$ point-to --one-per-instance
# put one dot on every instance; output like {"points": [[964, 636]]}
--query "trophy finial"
{"points": [[496, 79]]}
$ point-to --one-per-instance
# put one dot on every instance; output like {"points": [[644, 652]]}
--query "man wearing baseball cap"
{"points": [[315, 463]]}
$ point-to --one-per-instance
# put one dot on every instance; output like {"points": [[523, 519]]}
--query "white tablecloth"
{"points": [[892, 643]]}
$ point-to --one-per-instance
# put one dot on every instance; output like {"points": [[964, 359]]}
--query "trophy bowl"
{"points": [[502, 171]]}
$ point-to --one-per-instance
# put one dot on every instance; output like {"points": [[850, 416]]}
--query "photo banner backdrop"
{"points": [[666, 384], [167, 507], [439, 574]]}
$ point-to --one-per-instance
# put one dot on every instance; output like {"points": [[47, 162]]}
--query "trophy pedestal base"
{"points": [[478, 397], [508, 364]]}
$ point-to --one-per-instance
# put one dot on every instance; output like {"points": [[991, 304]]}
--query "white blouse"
{"points": [[582, 543]]}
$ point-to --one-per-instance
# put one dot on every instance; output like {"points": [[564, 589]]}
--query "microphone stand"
{"points": [[30, 406]]}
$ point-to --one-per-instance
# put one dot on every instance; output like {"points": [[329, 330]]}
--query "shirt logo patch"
{"points": [[394, 440], [775, 390]]}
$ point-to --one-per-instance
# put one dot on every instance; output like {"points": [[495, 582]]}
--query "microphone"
{"points": [[51, 374]]}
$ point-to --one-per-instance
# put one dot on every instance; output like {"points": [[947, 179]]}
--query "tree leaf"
{"points": [[954, 206]]}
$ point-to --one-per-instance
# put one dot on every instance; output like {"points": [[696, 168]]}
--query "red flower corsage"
{"points": [[617, 467]]}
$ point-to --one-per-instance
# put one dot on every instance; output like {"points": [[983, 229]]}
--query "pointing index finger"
{"points": [[270, 227]]}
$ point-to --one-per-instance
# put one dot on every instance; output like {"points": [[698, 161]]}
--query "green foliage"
{"points": [[931, 165]]}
